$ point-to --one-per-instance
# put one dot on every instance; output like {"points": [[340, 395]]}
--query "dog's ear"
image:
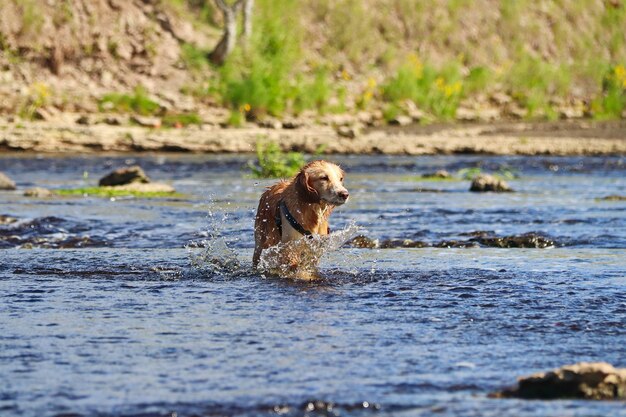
{"points": [[305, 191]]}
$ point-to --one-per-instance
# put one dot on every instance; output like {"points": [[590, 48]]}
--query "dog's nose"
{"points": [[344, 194]]}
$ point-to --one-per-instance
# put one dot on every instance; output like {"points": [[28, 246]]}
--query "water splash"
{"points": [[296, 259], [300, 259], [217, 256]]}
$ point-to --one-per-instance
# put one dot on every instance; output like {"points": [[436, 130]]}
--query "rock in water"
{"points": [[126, 175], [486, 182], [38, 192], [441, 174], [362, 241], [6, 183], [584, 380]]}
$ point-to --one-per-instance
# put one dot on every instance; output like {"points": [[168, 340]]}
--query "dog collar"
{"points": [[282, 208]]}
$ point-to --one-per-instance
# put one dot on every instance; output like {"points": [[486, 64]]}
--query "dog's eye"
{"points": [[324, 178], [341, 179]]}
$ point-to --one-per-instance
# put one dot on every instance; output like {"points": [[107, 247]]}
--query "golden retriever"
{"points": [[300, 207]]}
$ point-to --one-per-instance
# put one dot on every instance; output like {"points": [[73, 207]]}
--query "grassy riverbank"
{"points": [[387, 61]]}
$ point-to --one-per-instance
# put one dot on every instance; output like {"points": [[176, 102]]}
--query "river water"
{"points": [[135, 307]]}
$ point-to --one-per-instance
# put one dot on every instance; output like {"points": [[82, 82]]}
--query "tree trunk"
{"points": [[248, 6], [226, 45]]}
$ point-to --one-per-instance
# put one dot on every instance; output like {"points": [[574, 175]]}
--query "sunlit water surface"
{"points": [[149, 307]]}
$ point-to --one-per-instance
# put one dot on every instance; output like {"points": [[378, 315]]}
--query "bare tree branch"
{"points": [[248, 7], [227, 43]]}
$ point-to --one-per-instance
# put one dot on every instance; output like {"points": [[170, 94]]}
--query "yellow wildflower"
{"points": [[416, 64], [371, 83], [345, 75], [440, 83], [367, 96], [39, 92], [620, 75]]}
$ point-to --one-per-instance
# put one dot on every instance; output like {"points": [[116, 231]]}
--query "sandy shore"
{"points": [[555, 138]]}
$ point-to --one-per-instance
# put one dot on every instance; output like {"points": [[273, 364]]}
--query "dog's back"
{"points": [[266, 232]]}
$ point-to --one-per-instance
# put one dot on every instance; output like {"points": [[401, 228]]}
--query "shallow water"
{"points": [[106, 314]]}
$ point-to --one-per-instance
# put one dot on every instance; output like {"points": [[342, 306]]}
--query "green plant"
{"points": [[504, 173], [181, 119], [313, 94], [109, 192], [32, 18], [139, 102], [533, 82], [260, 76], [612, 101], [469, 173], [274, 163], [437, 91], [391, 112], [37, 97], [193, 57]]}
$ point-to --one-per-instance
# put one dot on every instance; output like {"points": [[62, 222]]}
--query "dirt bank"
{"points": [[557, 138]]}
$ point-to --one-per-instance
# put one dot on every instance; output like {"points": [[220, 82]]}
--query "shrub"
{"points": [[436, 91], [38, 96], [138, 102], [612, 101], [313, 94], [532, 82], [273, 163], [259, 76], [193, 57]]}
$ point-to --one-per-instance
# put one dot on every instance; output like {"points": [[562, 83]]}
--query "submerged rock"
{"points": [[38, 192], [6, 183], [584, 380], [442, 174], [362, 241], [526, 240], [402, 243], [486, 182], [126, 175], [4, 219], [614, 198], [456, 244]]}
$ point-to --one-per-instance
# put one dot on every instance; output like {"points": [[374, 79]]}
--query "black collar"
{"points": [[282, 208]]}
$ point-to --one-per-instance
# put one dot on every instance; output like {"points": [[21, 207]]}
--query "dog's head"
{"points": [[321, 181]]}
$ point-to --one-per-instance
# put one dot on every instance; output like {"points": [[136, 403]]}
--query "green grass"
{"points": [[181, 119], [39, 95], [503, 173], [194, 57], [533, 82], [32, 18], [139, 102], [612, 100], [435, 90], [108, 192], [272, 162]]}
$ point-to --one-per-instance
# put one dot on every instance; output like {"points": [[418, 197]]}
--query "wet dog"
{"points": [[299, 208]]}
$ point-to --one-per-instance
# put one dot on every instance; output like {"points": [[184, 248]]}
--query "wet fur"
{"points": [[302, 200]]}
